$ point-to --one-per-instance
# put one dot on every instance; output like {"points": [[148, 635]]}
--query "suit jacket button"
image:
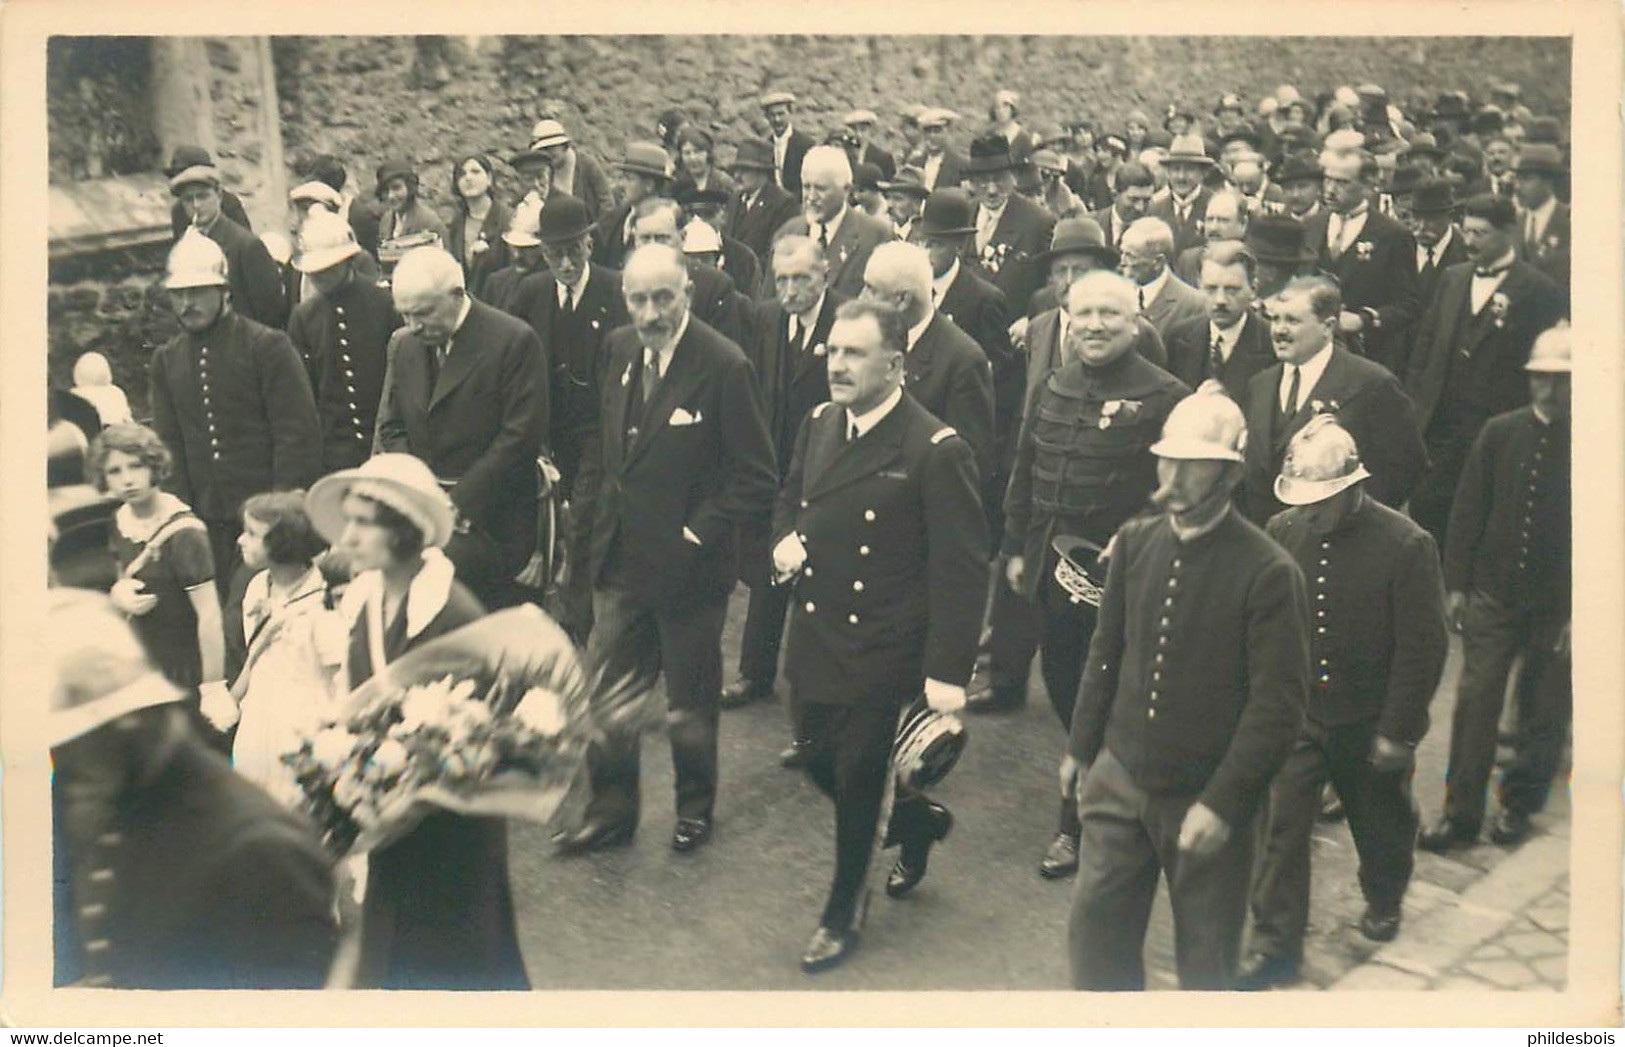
{"points": [[811, 607], [869, 514], [1150, 714], [852, 618], [808, 572], [863, 550], [857, 587]]}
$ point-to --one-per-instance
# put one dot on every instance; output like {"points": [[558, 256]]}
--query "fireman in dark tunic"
{"points": [[881, 529], [1377, 650], [1192, 696], [342, 333], [1083, 466]]}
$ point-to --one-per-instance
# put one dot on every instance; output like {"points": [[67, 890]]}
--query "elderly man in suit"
{"points": [[1185, 206], [644, 172], [1543, 220], [1377, 650], [1471, 346], [1315, 376], [790, 144], [1136, 187], [943, 167], [879, 529], [1147, 250], [1428, 210], [1225, 219], [845, 234], [1011, 231], [466, 390], [256, 283], [787, 350], [762, 206], [905, 199], [1233, 342], [681, 462], [1373, 258], [1192, 696]]}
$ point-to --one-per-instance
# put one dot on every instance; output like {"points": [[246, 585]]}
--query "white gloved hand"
{"points": [[788, 557], [944, 698], [218, 706], [130, 596]]}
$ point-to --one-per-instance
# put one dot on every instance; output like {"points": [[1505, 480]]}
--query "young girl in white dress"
{"points": [[295, 641]]}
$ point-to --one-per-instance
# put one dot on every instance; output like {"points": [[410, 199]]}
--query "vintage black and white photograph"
{"points": [[818, 512]]}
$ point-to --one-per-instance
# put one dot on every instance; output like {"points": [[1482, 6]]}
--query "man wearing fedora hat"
{"points": [[1508, 569], [574, 172], [861, 122], [1010, 230], [643, 172], [1185, 206], [1544, 221], [762, 207], [790, 144], [186, 156], [257, 289], [905, 198], [1428, 209], [1377, 645], [1280, 245], [846, 235], [342, 332]]}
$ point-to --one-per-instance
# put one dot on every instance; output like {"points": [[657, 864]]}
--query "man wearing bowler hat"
{"points": [[643, 172], [1280, 245], [1543, 220], [905, 198], [1185, 206], [790, 144], [1428, 210], [1298, 175], [187, 156], [1377, 645], [861, 122], [1010, 230], [762, 206]]}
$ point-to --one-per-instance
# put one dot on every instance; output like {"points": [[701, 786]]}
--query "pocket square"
{"points": [[682, 417]]}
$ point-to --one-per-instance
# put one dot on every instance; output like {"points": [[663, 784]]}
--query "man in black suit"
{"points": [[1185, 206], [861, 122], [1315, 376], [1280, 244], [681, 462], [787, 351], [1147, 250], [716, 301], [257, 289], [1428, 210], [1011, 231], [762, 206], [466, 390], [1470, 348], [645, 171], [1233, 343], [1377, 650], [943, 167], [231, 206], [1298, 175], [846, 234], [1544, 221], [1373, 258], [789, 143], [879, 528], [1136, 186]]}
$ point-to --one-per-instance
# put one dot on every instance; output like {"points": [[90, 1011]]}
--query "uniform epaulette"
{"points": [[818, 412], [943, 434]]}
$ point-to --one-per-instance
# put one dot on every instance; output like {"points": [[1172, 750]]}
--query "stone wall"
{"points": [[110, 303]]}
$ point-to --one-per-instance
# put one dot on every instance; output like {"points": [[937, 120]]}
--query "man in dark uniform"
{"points": [[1191, 698], [680, 464], [256, 283], [342, 332], [1082, 467], [787, 351], [1377, 650], [1508, 569], [762, 206], [466, 391], [175, 873], [880, 528], [231, 400]]}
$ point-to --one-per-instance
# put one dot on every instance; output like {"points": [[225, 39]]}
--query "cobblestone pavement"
{"points": [[1532, 953]]}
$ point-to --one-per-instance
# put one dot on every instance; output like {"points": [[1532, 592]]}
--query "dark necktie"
{"points": [[651, 375], [1215, 357], [1292, 392], [823, 237], [569, 301], [1142, 299], [851, 429], [793, 339], [1429, 263]]}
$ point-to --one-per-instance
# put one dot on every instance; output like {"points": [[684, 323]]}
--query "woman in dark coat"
{"points": [[474, 233], [438, 910]]}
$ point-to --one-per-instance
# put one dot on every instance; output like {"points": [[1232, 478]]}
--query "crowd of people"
{"points": [[1229, 423]]}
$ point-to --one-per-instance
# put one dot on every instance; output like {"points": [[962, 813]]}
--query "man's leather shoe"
{"points": [[595, 836], [1446, 835], [1061, 859], [690, 833], [911, 862], [1262, 971], [1511, 827], [742, 692], [993, 701], [827, 949], [796, 755], [1380, 925]]}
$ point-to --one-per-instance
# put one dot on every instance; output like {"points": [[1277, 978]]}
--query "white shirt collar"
{"points": [[1502, 263], [789, 129], [579, 289], [664, 354], [918, 329], [1227, 336], [831, 227], [468, 305], [1310, 371], [1154, 288], [872, 417], [809, 319], [940, 284], [1353, 224]]}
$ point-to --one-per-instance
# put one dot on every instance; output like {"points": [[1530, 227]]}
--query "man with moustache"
{"points": [[1465, 365], [762, 206], [230, 399], [1232, 343], [879, 527], [1428, 210], [1010, 231], [1135, 187], [1226, 219], [787, 350], [790, 144], [1315, 376], [844, 234], [1192, 695], [1377, 651], [680, 463], [1147, 250], [1082, 467], [905, 198]]}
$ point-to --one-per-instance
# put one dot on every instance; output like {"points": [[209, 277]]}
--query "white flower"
{"points": [[388, 760], [542, 710], [348, 790], [431, 704], [332, 747]]}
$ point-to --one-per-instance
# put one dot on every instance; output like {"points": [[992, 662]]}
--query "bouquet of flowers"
{"points": [[494, 719]]}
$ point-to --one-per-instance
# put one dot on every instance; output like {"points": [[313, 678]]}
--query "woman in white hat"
{"points": [[438, 912]]}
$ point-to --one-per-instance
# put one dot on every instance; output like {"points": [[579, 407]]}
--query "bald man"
{"points": [[680, 461], [466, 390], [846, 235]]}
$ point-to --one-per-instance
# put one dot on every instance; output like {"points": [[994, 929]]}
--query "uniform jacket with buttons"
{"points": [[896, 573], [343, 341], [1377, 276], [478, 422], [1083, 464], [1190, 346], [233, 405], [1367, 401], [977, 307], [1509, 534], [1199, 667], [948, 374], [1377, 630], [201, 881], [256, 284], [696, 456], [848, 252]]}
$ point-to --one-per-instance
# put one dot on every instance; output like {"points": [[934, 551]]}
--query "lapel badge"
{"points": [[820, 350], [1499, 304], [626, 376], [1363, 250]]}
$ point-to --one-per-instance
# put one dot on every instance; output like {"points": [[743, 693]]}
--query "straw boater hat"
{"points": [[399, 481], [1321, 461]]}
